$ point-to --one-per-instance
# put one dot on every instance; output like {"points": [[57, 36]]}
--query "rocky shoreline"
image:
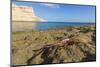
{"points": [[62, 45]]}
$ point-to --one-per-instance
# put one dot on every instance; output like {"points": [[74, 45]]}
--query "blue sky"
{"points": [[61, 12]]}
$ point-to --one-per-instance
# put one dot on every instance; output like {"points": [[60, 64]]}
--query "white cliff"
{"points": [[23, 18], [24, 13]]}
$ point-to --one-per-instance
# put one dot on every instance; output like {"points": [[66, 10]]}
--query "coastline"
{"points": [[82, 45]]}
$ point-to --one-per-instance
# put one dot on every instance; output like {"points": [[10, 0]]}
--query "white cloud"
{"points": [[51, 5]]}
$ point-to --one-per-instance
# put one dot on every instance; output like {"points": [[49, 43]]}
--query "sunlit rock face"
{"points": [[23, 18]]}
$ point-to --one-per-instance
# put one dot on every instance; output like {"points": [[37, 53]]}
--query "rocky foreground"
{"points": [[68, 44]]}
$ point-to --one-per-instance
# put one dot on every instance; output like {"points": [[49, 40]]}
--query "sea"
{"points": [[52, 25]]}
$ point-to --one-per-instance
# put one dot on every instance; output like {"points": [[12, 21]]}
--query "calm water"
{"points": [[50, 25]]}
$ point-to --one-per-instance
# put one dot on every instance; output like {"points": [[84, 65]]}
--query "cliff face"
{"points": [[23, 18], [24, 13]]}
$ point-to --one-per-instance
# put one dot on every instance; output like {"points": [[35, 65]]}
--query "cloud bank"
{"points": [[51, 5]]}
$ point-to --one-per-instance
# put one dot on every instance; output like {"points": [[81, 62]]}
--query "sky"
{"points": [[62, 12]]}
